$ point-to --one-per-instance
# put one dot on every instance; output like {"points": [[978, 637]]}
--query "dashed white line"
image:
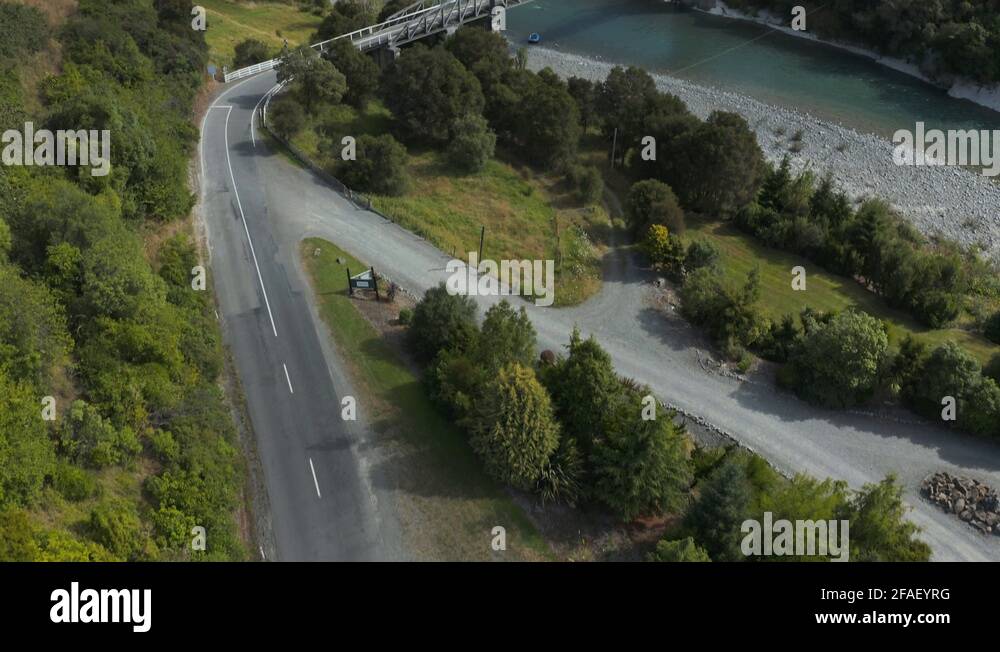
{"points": [[288, 378], [315, 481], [239, 204]]}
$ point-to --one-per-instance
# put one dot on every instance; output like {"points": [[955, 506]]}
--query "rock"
{"points": [[958, 506]]}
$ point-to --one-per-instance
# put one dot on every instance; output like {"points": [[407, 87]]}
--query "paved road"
{"points": [[662, 353], [322, 505]]}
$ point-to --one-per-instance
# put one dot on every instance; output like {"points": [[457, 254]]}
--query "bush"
{"points": [[287, 117], [701, 253], [360, 70], [653, 202], [679, 550], [840, 363], [472, 144], [586, 182], [116, 526], [513, 428], [250, 51], [72, 482], [380, 166], [665, 251], [405, 316], [86, 436], [722, 506], [442, 321]]}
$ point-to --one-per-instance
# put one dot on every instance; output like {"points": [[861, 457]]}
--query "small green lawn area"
{"points": [[824, 291], [527, 215], [231, 22], [448, 505]]}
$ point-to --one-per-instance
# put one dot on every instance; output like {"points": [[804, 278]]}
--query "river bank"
{"points": [[985, 96], [948, 202]]}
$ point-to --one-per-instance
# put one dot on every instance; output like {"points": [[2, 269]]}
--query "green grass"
{"points": [[231, 22], [527, 215], [441, 480], [824, 291]]}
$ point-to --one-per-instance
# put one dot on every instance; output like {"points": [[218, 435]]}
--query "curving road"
{"points": [[342, 516]]}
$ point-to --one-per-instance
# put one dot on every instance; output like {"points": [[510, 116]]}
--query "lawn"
{"points": [[527, 215], [448, 506], [230, 22], [824, 291]]}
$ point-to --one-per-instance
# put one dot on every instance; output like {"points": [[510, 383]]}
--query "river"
{"points": [[744, 57]]}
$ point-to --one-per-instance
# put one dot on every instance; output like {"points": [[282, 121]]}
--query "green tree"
{"points": [[679, 550], [640, 466], [840, 364], [507, 336], [116, 526], [360, 70], [287, 117], [948, 371], [26, 451], [513, 428], [723, 504], [428, 90], [665, 250], [313, 80], [345, 17], [250, 51], [879, 528], [991, 329], [442, 321], [547, 122], [379, 167], [472, 144], [33, 331], [86, 436], [653, 202]]}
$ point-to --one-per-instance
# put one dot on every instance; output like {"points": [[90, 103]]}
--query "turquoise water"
{"points": [[744, 57]]}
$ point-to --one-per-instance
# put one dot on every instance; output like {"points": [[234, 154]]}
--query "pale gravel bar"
{"points": [[960, 205]]}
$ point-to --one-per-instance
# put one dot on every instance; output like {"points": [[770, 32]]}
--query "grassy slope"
{"points": [[519, 208], [824, 291], [230, 22], [447, 504]]}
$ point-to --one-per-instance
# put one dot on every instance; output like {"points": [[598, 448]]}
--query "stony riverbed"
{"points": [[961, 205]]}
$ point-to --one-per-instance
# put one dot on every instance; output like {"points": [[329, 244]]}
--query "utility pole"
{"points": [[614, 148], [482, 237]]}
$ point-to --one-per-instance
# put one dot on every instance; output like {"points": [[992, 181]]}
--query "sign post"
{"points": [[366, 280]]}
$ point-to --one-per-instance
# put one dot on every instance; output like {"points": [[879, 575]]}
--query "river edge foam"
{"points": [[945, 202]]}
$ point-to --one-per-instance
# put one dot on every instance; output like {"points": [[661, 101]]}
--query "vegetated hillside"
{"points": [[141, 449], [944, 36]]}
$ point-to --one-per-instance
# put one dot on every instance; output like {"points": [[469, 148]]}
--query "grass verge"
{"points": [[270, 22], [447, 505]]}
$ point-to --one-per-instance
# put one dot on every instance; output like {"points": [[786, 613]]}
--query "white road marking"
{"points": [[315, 481], [262, 556], [288, 378], [239, 204]]}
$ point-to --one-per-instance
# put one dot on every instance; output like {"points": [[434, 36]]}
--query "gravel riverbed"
{"points": [[949, 202]]}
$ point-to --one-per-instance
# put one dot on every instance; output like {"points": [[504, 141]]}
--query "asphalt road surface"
{"points": [[283, 203]]}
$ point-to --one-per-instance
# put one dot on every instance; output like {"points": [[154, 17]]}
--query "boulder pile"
{"points": [[970, 500]]}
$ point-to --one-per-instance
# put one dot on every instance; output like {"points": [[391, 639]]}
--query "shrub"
{"points": [[250, 51], [442, 321], [722, 506], [380, 166], [992, 328], [72, 482], [472, 144], [287, 117], [405, 316], [116, 526], [513, 428], [653, 202], [665, 251], [586, 182], [679, 550], [701, 253]]}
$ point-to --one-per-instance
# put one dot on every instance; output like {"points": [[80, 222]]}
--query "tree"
{"points": [[992, 328], [652, 202], [582, 387], [679, 550], [701, 253], [623, 101], [472, 144], [250, 51], [33, 330], [442, 321], [879, 529], [314, 81], [723, 504], [584, 93], [640, 466], [719, 166], [379, 167], [427, 91], [840, 364], [485, 54], [665, 250], [513, 428], [359, 69], [586, 182], [117, 280], [287, 117], [25, 448], [116, 526], [86, 436], [345, 17], [548, 122], [947, 371], [507, 337], [17, 540]]}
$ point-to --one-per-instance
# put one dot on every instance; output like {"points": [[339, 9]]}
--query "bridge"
{"points": [[417, 21]]}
